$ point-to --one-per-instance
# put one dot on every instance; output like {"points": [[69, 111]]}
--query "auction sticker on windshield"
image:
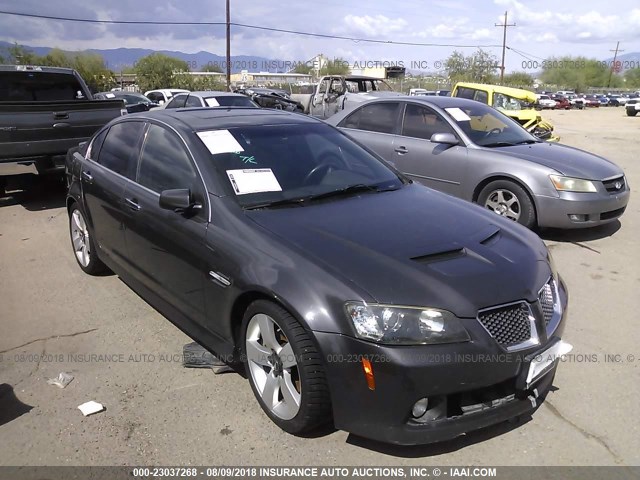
{"points": [[458, 114], [220, 141], [256, 180]]}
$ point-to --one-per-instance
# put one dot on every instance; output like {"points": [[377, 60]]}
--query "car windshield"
{"points": [[488, 127], [284, 165], [229, 101]]}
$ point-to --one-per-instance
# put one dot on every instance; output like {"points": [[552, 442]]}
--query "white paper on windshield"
{"points": [[255, 180], [212, 102], [458, 114], [220, 141]]}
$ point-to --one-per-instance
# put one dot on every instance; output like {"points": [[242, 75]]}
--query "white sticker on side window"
{"points": [[255, 180], [220, 141], [212, 102], [458, 114]]}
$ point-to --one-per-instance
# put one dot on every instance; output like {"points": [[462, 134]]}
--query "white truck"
{"points": [[334, 93]]}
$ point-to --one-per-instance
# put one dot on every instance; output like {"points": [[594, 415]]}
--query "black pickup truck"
{"points": [[44, 111]]}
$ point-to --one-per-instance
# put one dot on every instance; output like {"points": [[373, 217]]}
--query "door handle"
{"points": [[60, 115], [132, 203], [87, 176], [401, 150]]}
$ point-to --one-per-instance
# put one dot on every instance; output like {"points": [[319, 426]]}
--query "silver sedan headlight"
{"points": [[570, 184], [395, 325]]}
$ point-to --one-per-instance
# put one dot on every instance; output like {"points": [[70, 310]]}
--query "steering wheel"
{"points": [[493, 131], [328, 162]]}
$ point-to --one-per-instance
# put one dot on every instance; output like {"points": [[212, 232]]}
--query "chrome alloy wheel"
{"points": [[273, 367], [505, 203], [80, 238]]}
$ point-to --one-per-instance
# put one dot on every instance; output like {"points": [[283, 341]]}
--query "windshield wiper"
{"points": [[499, 144], [278, 203], [302, 201], [357, 188]]}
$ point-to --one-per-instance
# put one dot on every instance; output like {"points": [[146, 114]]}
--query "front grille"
{"points": [[508, 325], [547, 300], [615, 185]]}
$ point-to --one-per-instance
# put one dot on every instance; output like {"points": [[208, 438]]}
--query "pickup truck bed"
{"points": [[44, 111]]}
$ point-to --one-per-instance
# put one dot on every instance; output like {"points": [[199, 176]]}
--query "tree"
{"points": [[20, 55], [159, 71], [632, 78], [337, 66], [518, 79], [303, 68], [92, 68], [578, 73], [481, 67], [212, 67]]}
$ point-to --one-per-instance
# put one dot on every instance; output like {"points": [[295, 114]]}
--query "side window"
{"points": [[177, 102], [119, 150], [94, 152], [165, 163], [324, 86], [481, 96], [464, 92], [155, 97], [193, 101], [379, 117], [422, 122]]}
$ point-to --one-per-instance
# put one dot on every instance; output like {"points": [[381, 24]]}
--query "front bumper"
{"points": [[478, 372], [598, 208]]}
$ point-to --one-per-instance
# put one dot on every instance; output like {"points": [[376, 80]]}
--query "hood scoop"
{"points": [[441, 256]]}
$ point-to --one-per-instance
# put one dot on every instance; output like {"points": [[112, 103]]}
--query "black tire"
{"points": [[631, 113], [3, 186], [93, 265], [315, 403], [526, 208]]}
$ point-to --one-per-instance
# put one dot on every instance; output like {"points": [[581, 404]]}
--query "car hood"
{"points": [[565, 160], [415, 246]]}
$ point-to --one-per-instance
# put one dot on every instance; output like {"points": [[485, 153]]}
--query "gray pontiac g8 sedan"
{"points": [[474, 152], [349, 293]]}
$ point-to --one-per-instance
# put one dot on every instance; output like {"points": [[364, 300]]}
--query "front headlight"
{"points": [[569, 184], [405, 325]]}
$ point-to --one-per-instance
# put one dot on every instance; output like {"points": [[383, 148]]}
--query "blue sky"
{"points": [[544, 27]]}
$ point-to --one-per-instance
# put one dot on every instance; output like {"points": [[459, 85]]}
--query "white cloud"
{"points": [[374, 26]]}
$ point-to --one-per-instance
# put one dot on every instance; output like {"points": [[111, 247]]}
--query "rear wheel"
{"points": [[82, 243], [632, 113], [509, 200], [284, 368]]}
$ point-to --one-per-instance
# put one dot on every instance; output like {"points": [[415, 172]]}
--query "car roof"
{"points": [[165, 90], [216, 93], [438, 101], [199, 119], [35, 68]]}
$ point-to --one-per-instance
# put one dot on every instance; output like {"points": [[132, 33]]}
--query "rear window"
{"points": [[39, 87]]}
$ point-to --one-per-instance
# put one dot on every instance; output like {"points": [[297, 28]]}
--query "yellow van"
{"points": [[514, 102]]}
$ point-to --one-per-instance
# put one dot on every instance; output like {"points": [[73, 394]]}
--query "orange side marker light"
{"points": [[368, 374]]}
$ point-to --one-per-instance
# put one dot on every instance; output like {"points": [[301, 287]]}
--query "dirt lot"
{"points": [[53, 317]]}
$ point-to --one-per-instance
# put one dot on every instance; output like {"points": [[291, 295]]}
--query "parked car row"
{"points": [[567, 99]]}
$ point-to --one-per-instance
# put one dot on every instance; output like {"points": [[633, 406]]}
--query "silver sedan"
{"points": [[474, 152]]}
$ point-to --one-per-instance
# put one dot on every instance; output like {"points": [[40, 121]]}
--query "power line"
{"points": [[244, 25]]}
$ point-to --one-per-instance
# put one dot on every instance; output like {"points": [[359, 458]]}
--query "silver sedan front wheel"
{"points": [[505, 203], [273, 367]]}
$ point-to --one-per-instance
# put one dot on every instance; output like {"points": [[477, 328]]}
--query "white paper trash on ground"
{"points": [[62, 380], [90, 408]]}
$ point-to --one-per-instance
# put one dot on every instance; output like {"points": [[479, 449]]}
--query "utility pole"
{"points": [[613, 65], [228, 47], [504, 42]]}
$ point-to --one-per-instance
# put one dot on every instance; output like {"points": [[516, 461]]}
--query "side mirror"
{"points": [[445, 138], [179, 200]]}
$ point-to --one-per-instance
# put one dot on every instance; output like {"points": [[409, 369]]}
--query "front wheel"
{"points": [[284, 368], [509, 200], [632, 113], [82, 243]]}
